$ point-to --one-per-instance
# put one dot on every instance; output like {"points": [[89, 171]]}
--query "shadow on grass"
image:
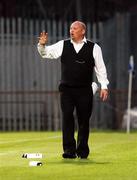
{"points": [[79, 162]]}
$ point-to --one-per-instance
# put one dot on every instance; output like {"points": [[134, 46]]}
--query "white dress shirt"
{"points": [[55, 51]]}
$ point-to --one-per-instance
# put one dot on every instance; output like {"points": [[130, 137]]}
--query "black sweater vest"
{"points": [[77, 68]]}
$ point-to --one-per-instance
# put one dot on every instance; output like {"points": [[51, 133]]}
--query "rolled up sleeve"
{"points": [[52, 51]]}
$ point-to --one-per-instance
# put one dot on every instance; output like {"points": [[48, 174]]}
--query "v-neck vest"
{"points": [[77, 68]]}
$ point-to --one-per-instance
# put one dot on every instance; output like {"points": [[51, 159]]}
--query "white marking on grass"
{"points": [[25, 140], [32, 139]]}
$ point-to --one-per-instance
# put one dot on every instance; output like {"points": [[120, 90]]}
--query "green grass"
{"points": [[113, 157]]}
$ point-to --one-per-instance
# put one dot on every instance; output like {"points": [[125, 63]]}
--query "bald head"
{"points": [[77, 31], [80, 23]]}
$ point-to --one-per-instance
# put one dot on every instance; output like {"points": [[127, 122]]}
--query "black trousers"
{"points": [[81, 100]]}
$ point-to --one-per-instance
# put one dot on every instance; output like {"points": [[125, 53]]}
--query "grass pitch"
{"points": [[113, 157]]}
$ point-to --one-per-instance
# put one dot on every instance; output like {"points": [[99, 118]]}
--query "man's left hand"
{"points": [[104, 94]]}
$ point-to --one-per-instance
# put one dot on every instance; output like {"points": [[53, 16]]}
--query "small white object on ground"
{"points": [[35, 163], [32, 155]]}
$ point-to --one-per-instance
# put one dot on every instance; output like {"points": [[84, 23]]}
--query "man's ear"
{"points": [[83, 31]]}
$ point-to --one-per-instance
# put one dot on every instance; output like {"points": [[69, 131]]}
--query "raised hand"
{"points": [[43, 38]]}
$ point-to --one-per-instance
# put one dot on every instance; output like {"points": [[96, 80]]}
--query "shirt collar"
{"points": [[83, 40]]}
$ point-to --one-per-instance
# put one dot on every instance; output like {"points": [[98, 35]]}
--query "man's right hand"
{"points": [[43, 38]]}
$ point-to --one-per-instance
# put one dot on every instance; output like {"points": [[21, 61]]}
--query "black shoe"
{"points": [[69, 155]]}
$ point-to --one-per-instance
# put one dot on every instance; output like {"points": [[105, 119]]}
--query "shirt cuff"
{"points": [[104, 86]]}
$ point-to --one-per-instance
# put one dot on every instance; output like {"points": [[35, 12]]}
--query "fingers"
{"points": [[43, 38], [104, 94], [43, 33]]}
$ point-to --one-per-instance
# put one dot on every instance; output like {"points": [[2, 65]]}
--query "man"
{"points": [[79, 57]]}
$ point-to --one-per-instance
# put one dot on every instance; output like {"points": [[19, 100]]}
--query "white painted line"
{"points": [[34, 139]]}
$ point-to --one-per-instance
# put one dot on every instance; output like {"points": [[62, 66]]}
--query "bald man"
{"points": [[79, 58]]}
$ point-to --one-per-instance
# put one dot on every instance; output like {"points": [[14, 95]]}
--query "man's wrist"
{"points": [[42, 45]]}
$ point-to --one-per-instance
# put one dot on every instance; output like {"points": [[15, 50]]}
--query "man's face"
{"points": [[76, 31]]}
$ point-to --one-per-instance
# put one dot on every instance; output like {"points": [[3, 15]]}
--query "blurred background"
{"points": [[29, 97]]}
